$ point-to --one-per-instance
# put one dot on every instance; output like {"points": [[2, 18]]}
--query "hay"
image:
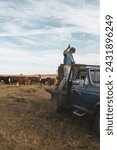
{"points": [[60, 74]]}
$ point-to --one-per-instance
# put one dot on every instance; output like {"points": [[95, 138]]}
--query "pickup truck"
{"points": [[81, 93]]}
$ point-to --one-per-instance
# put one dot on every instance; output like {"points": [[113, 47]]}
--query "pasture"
{"points": [[28, 122]]}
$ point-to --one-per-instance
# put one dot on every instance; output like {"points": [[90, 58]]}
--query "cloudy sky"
{"points": [[34, 34]]}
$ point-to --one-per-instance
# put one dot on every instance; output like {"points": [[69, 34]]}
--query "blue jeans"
{"points": [[66, 70]]}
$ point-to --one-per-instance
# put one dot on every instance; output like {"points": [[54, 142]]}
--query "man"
{"points": [[68, 61]]}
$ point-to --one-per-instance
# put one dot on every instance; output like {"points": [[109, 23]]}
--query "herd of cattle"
{"points": [[26, 80]]}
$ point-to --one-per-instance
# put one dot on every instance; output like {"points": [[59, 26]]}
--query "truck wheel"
{"points": [[97, 123]]}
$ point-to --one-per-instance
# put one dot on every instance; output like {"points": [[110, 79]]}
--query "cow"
{"points": [[51, 81], [4, 79], [43, 81], [48, 81], [35, 79], [23, 80]]}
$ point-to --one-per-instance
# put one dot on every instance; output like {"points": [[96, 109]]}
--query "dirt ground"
{"points": [[28, 122]]}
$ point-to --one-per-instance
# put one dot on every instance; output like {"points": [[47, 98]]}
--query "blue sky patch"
{"points": [[36, 32]]}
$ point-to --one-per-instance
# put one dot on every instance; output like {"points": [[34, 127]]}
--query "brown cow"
{"points": [[23, 80], [51, 81]]}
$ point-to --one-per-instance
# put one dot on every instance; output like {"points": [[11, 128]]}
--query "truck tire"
{"points": [[97, 123]]}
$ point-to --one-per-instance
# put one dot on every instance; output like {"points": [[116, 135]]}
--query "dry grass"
{"points": [[28, 122]]}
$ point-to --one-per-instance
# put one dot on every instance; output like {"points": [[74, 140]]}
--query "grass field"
{"points": [[28, 122]]}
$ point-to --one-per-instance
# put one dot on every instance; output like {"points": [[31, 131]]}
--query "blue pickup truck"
{"points": [[81, 93]]}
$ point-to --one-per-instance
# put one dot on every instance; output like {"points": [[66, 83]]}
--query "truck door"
{"points": [[87, 94], [94, 89], [80, 89]]}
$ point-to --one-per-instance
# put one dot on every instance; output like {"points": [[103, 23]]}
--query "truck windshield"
{"points": [[95, 77]]}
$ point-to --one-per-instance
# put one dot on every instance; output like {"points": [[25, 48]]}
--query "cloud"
{"points": [[36, 65], [41, 57], [90, 59], [29, 63], [24, 16], [40, 30]]}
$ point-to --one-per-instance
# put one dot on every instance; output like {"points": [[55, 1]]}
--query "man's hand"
{"points": [[66, 51], [68, 46]]}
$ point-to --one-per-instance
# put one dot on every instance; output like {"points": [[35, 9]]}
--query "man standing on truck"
{"points": [[68, 61]]}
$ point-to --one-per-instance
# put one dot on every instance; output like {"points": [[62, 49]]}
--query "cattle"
{"points": [[23, 80], [43, 81], [48, 81], [4, 79], [51, 81], [35, 79], [14, 79]]}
